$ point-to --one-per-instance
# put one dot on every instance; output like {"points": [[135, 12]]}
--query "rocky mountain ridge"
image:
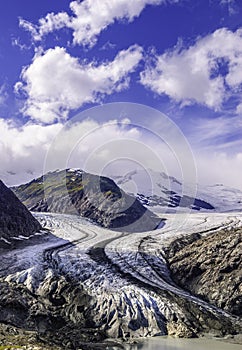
{"points": [[95, 197]]}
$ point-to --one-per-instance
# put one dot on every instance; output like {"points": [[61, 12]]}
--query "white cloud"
{"points": [[46, 25], [32, 150], [90, 18], [217, 133], [207, 72], [23, 149], [107, 46], [239, 109], [217, 148], [56, 82], [93, 16], [231, 5], [91, 145], [3, 94], [219, 167], [114, 146], [101, 147], [17, 42]]}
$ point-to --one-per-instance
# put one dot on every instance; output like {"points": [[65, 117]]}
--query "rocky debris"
{"points": [[210, 267], [53, 315], [15, 219], [180, 330], [13, 338], [95, 197]]}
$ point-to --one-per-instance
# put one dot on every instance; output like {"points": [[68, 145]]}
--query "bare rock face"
{"points": [[210, 267], [15, 219]]}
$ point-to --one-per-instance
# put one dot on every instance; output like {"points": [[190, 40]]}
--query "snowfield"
{"points": [[159, 192]]}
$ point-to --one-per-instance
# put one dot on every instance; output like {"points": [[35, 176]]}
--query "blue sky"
{"points": [[181, 57]]}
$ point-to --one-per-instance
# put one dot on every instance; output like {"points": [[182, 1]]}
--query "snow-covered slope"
{"points": [[223, 198], [163, 193]]}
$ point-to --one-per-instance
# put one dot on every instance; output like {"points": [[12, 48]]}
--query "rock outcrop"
{"points": [[210, 267], [15, 219], [95, 197]]}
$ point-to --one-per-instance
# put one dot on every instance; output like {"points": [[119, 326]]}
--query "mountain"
{"points": [[95, 197], [159, 192], [15, 219]]}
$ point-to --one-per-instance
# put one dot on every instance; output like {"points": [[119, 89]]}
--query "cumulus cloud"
{"points": [[112, 147], [91, 145], [207, 72], [86, 144], [219, 167], [90, 18], [56, 82], [115, 146]]}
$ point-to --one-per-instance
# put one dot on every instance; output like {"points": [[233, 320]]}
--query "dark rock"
{"points": [[210, 267], [61, 326], [15, 219]]}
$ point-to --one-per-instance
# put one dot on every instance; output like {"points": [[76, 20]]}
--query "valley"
{"points": [[78, 283]]}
